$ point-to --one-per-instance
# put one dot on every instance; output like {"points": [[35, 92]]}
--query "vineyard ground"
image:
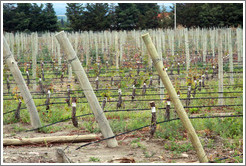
{"points": [[133, 147]]}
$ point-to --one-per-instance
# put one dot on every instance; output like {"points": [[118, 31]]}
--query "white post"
{"points": [[187, 50], [204, 46], [34, 38], [220, 63], [116, 51], [230, 56]]}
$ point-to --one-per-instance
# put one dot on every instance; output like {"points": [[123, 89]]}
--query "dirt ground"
{"points": [[133, 148]]}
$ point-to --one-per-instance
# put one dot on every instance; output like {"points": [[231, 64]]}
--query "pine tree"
{"points": [[127, 16], [96, 16], [74, 15], [148, 13], [50, 18]]}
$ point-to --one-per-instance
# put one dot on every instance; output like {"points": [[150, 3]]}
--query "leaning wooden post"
{"points": [[174, 98], [86, 86], [15, 71]]}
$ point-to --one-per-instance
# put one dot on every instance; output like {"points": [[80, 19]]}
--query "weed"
{"points": [[94, 159]]}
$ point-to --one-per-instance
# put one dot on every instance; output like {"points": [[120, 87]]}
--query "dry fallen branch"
{"points": [[54, 139]]}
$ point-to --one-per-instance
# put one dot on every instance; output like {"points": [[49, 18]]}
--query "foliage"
{"points": [[94, 159], [29, 17], [73, 13], [210, 14]]}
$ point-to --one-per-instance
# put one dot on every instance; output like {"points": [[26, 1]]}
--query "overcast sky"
{"points": [[60, 8]]}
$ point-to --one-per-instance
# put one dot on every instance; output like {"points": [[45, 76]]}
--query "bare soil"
{"points": [[133, 148]]}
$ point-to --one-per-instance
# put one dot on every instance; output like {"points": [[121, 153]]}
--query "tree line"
{"points": [[121, 16], [210, 14], [29, 17]]}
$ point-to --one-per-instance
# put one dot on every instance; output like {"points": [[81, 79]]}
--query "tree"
{"points": [[96, 16], [29, 17], [112, 16], [147, 17], [74, 15], [210, 14], [127, 16], [166, 19], [22, 17], [50, 18], [8, 15], [37, 19]]}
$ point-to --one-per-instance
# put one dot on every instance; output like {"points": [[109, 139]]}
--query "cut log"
{"points": [[54, 139]]}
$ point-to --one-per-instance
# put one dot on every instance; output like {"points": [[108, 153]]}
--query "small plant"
{"points": [[94, 159]]}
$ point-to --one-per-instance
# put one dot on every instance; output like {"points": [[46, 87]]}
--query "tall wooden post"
{"points": [[15, 71], [174, 98], [86, 86], [220, 64]]}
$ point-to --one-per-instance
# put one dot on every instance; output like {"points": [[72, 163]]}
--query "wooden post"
{"points": [[8, 84], [104, 102], [167, 115], [144, 89], [88, 91], [150, 81], [14, 69], [174, 98], [17, 112], [47, 102], [133, 92], [119, 99], [97, 83], [220, 72], [28, 79], [153, 119], [74, 118], [188, 96]]}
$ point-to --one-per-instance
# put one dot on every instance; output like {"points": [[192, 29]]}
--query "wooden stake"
{"points": [[88, 91], [174, 98], [14, 69], [153, 119], [74, 118]]}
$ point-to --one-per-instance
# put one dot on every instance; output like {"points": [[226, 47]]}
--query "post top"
{"points": [[59, 33]]}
